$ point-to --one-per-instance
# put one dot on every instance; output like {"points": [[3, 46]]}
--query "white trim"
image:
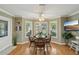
{"points": [[60, 43], [51, 42], [3, 18], [5, 47], [6, 41], [22, 42], [6, 12], [74, 13], [7, 50]]}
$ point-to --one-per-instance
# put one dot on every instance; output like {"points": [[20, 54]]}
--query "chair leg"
{"points": [[35, 50], [47, 49], [48, 45], [44, 51], [29, 44]]}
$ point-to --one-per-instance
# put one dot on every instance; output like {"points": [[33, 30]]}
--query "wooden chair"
{"points": [[39, 43], [31, 39], [48, 42]]}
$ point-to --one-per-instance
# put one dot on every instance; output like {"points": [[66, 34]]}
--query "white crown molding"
{"points": [[6, 12], [74, 13]]}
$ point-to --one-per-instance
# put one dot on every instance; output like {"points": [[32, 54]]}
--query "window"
{"points": [[3, 28], [41, 27], [28, 28], [53, 28]]}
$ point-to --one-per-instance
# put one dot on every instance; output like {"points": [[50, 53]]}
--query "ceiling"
{"points": [[32, 11]]}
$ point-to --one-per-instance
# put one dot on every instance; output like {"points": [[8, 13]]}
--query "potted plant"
{"points": [[14, 41], [67, 35]]}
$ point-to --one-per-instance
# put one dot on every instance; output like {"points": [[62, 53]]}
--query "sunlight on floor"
{"points": [[54, 51]]}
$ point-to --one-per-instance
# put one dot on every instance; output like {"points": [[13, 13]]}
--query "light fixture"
{"points": [[41, 18], [41, 12]]}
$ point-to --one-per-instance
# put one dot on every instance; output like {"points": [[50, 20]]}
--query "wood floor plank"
{"points": [[23, 49]]}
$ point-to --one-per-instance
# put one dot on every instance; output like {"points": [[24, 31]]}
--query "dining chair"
{"points": [[48, 42], [39, 44], [31, 39]]}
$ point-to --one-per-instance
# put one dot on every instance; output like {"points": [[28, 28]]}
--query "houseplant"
{"points": [[14, 41], [40, 34], [67, 36]]}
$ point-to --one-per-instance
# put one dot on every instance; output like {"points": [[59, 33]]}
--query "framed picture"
{"points": [[3, 28], [18, 26]]}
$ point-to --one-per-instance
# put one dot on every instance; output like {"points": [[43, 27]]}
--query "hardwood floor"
{"points": [[23, 49]]}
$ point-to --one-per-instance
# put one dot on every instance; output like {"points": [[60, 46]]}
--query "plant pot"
{"points": [[14, 41]]}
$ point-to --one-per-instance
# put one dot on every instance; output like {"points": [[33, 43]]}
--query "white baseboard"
{"points": [[22, 42], [7, 50], [60, 43], [5, 47]]}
